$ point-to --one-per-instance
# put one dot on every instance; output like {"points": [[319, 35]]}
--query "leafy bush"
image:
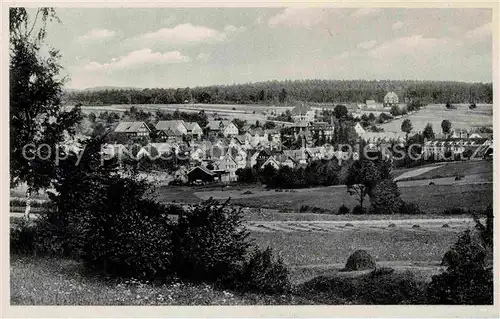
{"points": [[209, 242], [467, 280], [107, 220], [261, 273], [376, 288], [456, 211], [410, 209], [22, 237], [343, 210], [358, 210]]}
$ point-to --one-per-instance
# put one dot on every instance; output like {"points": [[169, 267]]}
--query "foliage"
{"points": [[343, 210], [280, 92], [262, 273], [23, 237], [340, 111], [368, 289], [358, 210], [395, 110], [406, 127], [446, 126], [209, 242], [246, 175], [239, 123], [385, 198], [467, 280], [409, 208], [37, 116], [362, 177], [428, 132]]}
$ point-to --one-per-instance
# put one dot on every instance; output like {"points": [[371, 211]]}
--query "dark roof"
{"points": [[203, 169]]}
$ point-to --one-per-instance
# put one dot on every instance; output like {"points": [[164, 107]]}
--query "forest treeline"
{"points": [[282, 92]]}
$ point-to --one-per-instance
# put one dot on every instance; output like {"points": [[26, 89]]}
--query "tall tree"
{"points": [[38, 121], [340, 111], [446, 126], [406, 127], [361, 178], [428, 132]]}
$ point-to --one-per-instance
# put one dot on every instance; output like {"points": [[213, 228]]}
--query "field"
{"points": [[469, 168], [430, 198], [461, 117], [251, 113]]}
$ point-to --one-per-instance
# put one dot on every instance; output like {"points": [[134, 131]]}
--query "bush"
{"points": [[23, 237], [343, 210], [261, 273], [467, 280], [385, 198], [380, 287], [360, 260], [358, 210], [209, 242], [456, 211], [410, 209]]}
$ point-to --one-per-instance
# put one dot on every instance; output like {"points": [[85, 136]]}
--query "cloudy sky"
{"points": [[174, 47]]}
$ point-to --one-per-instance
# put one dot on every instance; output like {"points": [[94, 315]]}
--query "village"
{"points": [[214, 153]]}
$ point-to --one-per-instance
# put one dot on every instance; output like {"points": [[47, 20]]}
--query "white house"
{"points": [[228, 164], [303, 113], [225, 127], [359, 129]]}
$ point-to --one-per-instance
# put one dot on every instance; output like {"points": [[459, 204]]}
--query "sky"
{"points": [[181, 47]]}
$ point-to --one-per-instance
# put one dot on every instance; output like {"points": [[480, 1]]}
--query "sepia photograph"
{"points": [[237, 156]]}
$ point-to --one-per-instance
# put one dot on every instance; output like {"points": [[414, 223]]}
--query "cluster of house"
{"points": [[460, 142]]}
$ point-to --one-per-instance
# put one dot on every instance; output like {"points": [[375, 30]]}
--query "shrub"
{"points": [[343, 210], [22, 237], [358, 210], [467, 280], [107, 220], [410, 209], [380, 287], [209, 242], [262, 273], [415, 226], [392, 225], [456, 211], [445, 226], [360, 260]]}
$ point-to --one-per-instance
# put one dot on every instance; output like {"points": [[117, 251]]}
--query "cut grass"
{"points": [[328, 248]]}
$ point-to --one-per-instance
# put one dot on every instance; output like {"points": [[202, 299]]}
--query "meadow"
{"points": [[461, 118]]}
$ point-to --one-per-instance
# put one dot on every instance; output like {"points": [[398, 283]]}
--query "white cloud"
{"points": [[397, 25], [367, 44], [97, 34], [139, 57], [414, 46], [299, 17], [481, 32], [188, 34], [364, 12]]}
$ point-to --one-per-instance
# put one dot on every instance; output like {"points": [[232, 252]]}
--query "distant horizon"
{"points": [[111, 87]]}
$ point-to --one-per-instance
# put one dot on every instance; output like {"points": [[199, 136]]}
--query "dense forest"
{"points": [[282, 92]]}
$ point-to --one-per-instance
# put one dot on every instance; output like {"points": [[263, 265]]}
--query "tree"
{"points": [[239, 123], [92, 117], [37, 116], [406, 127], [282, 96], [428, 132], [446, 126], [361, 178], [340, 111], [395, 111], [385, 197]]}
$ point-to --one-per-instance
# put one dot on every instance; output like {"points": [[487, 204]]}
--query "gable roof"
{"points": [[130, 127], [190, 125], [218, 125], [203, 169], [170, 126]]}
